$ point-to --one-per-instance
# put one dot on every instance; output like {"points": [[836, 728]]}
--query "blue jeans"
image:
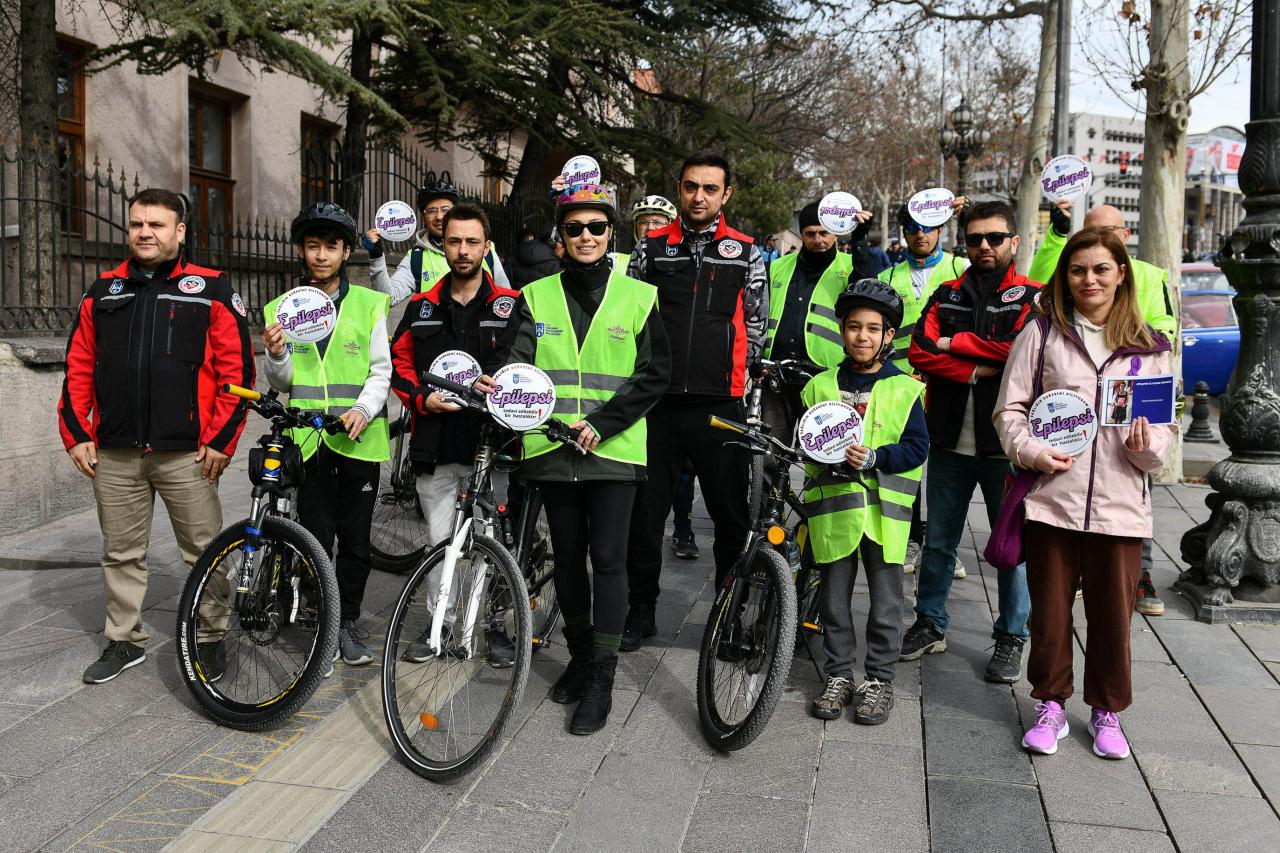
{"points": [[948, 488]]}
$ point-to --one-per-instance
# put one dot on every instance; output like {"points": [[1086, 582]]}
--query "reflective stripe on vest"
{"points": [[333, 383], [824, 345], [878, 505], [587, 375], [899, 278]]}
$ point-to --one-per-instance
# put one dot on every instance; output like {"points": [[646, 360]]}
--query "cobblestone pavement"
{"points": [[133, 766]]}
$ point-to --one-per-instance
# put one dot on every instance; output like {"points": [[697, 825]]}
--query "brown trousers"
{"points": [[125, 486], [1107, 569]]}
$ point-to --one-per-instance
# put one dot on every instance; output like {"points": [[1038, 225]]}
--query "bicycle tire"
{"points": [[537, 564], [398, 532], [755, 491], [450, 768], [774, 642], [252, 716]]}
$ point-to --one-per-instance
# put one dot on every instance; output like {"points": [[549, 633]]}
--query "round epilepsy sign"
{"points": [[838, 212], [306, 314], [523, 397], [1065, 177], [826, 429], [581, 170], [931, 207], [456, 366], [396, 221], [1064, 421]]}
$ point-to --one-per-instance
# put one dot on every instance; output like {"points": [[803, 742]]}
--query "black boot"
{"points": [[640, 626], [597, 700], [569, 687]]}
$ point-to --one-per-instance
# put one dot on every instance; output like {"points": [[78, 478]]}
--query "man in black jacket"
{"points": [[531, 260]]}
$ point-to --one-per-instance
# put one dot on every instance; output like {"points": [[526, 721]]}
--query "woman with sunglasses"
{"points": [[597, 335], [1087, 515]]}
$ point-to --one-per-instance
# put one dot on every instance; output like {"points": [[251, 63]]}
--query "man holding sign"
{"points": [[327, 348], [862, 506], [960, 344]]}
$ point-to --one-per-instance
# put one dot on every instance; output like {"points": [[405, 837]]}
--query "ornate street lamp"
{"points": [[962, 141], [1234, 557]]}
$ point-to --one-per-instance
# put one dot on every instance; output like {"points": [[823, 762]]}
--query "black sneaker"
{"points": [[213, 660], [875, 701], [351, 644], [639, 626], [116, 658], [830, 705], [922, 639], [502, 652], [1006, 660], [685, 546]]}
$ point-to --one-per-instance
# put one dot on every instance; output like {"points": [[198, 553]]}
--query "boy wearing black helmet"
{"points": [[349, 374], [862, 506], [424, 264]]}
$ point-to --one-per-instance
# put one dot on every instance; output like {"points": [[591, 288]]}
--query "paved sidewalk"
{"points": [[131, 765]]}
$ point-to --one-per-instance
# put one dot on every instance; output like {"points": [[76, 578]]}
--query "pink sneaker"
{"points": [[1108, 740], [1051, 727]]}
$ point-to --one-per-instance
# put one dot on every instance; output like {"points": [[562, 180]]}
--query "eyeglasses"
{"points": [[575, 229], [914, 227], [438, 211], [994, 239]]}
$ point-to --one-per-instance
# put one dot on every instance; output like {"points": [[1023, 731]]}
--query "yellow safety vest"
{"points": [[823, 342]]}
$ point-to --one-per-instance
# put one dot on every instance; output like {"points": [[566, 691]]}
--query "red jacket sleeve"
{"points": [[404, 376], [77, 405], [924, 354], [228, 361], [970, 345]]}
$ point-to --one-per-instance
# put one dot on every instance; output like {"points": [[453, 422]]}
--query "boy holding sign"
{"points": [[862, 506], [342, 365]]}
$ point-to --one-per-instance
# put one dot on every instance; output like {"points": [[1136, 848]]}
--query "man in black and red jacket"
{"points": [[142, 410], [713, 298], [465, 310], [961, 343]]}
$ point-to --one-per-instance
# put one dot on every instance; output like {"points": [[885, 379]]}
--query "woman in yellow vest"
{"points": [[863, 505], [596, 334], [346, 374]]}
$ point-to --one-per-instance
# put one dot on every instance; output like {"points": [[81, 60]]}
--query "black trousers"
{"points": [[337, 499], [682, 503], [590, 518], [679, 430]]}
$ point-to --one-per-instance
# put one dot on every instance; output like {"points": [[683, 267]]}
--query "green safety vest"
{"points": [[432, 266], [1151, 284], [620, 262], [586, 375], [842, 512], [823, 342], [332, 383], [898, 277]]}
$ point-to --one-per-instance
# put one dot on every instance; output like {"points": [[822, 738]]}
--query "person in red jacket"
{"points": [[141, 412], [960, 345]]}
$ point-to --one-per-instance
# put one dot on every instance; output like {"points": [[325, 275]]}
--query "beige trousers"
{"points": [[125, 486]]}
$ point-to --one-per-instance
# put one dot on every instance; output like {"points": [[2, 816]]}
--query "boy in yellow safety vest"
{"points": [[347, 374], [862, 506]]}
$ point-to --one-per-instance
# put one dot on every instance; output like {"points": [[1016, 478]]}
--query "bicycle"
{"points": [[257, 621], [444, 705], [397, 536], [778, 375]]}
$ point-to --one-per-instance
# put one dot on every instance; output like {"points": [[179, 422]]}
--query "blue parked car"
{"points": [[1210, 338]]}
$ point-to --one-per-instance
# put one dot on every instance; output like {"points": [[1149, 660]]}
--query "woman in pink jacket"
{"points": [[1087, 515]]}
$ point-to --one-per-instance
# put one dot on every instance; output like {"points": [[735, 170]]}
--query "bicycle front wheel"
{"points": [[746, 650], [537, 564], [250, 663], [398, 534], [446, 707]]}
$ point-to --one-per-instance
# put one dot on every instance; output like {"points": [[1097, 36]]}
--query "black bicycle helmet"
{"points": [[442, 188], [871, 293], [326, 215]]}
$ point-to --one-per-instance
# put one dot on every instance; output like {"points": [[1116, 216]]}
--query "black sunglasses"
{"points": [[995, 239], [575, 229]]}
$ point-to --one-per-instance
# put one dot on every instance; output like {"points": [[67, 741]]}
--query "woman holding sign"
{"points": [[1088, 512], [595, 332]]}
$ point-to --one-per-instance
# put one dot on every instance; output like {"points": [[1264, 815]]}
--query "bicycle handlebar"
{"points": [[555, 429], [243, 393], [269, 407]]}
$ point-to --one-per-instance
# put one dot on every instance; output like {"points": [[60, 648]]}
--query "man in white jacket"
{"points": [[424, 265]]}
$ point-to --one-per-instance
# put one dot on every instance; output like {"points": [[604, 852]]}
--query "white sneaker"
{"points": [[959, 569], [912, 559]]}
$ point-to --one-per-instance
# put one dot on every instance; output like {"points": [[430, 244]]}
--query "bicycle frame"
{"points": [[270, 486]]}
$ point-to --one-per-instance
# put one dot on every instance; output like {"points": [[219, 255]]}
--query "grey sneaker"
{"points": [[116, 658], [830, 705], [912, 559], [1006, 660], [351, 644], [922, 639], [875, 701]]}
